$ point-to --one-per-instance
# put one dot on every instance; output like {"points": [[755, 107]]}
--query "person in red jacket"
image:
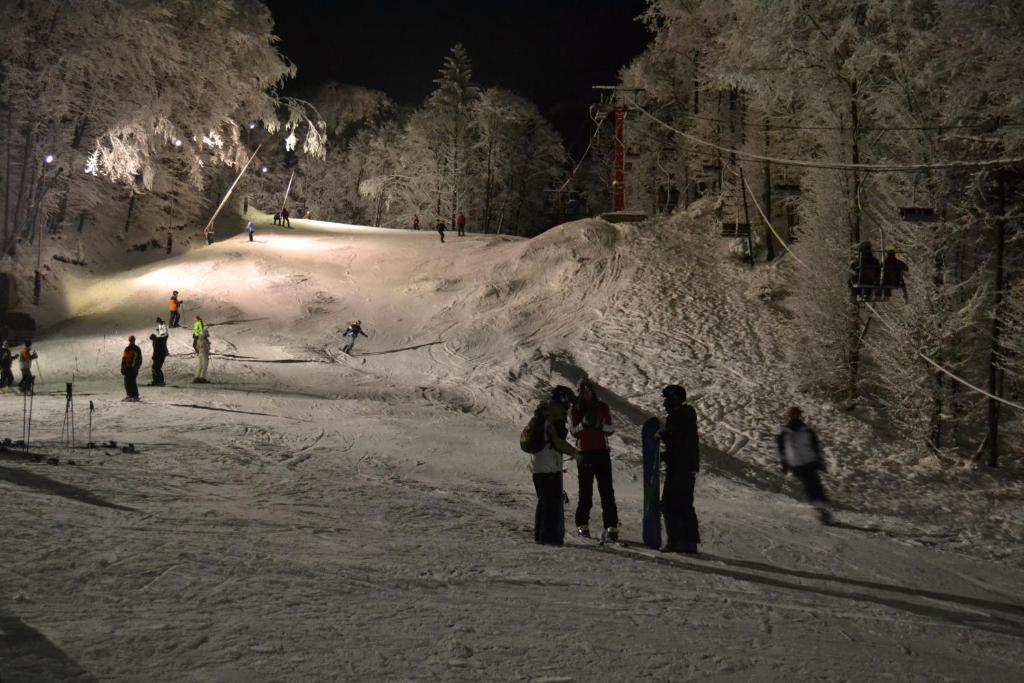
{"points": [[460, 222], [591, 423]]}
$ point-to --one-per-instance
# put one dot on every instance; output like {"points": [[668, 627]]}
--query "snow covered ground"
{"points": [[314, 516]]}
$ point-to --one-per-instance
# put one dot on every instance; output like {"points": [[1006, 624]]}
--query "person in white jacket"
{"points": [[800, 454], [203, 354], [546, 465]]}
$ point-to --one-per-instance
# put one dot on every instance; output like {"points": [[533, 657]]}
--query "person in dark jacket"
{"points": [[681, 455], [131, 362], [800, 454], [285, 213], [440, 230], [590, 421], [546, 465], [460, 223], [25, 358], [6, 361], [354, 330], [159, 339], [893, 271]]}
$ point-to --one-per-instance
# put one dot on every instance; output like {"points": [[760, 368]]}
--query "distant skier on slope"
{"points": [[25, 358], [203, 356], [197, 330], [174, 310], [131, 361], [800, 454], [591, 423], [460, 223], [546, 466], [6, 361], [159, 340], [681, 455], [354, 330]]}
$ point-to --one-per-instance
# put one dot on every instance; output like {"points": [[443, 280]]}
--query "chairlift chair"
{"points": [[918, 214], [735, 229], [787, 190]]}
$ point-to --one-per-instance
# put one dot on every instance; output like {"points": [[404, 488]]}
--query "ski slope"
{"points": [[315, 516]]}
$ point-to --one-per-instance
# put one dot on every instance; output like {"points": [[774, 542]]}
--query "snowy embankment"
{"points": [[313, 516]]}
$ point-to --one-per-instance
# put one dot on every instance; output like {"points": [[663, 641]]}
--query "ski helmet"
{"points": [[563, 395], [674, 395]]}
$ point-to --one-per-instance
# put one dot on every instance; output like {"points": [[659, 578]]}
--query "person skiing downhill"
{"points": [[6, 361], [203, 356], [174, 308], [354, 330], [159, 339], [546, 466], [131, 361], [591, 423], [25, 358], [800, 454], [681, 455]]}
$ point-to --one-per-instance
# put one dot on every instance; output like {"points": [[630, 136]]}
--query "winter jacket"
{"points": [[798, 445], [354, 331], [197, 328], [161, 330], [25, 358], [159, 347], [549, 458], [591, 423], [6, 359], [250, 227], [203, 345], [173, 304], [679, 438], [892, 272], [131, 359], [461, 221]]}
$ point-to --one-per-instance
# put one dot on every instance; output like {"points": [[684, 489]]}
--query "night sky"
{"points": [[550, 51]]}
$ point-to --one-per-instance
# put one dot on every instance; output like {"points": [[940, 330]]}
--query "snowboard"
{"points": [[652, 482]]}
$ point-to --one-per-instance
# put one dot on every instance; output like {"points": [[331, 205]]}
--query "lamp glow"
{"points": [[48, 158]]}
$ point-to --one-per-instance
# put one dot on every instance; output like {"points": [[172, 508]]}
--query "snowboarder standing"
{"points": [[174, 309], [25, 358], [284, 218], [460, 223], [440, 230], [591, 423], [6, 361], [354, 330], [250, 228], [159, 339], [197, 330], [800, 454], [681, 455], [131, 362], [203, 354], [546, 465]]}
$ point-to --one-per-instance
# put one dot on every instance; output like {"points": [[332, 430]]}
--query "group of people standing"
{"points": [[460, 224], [589, 421], [25, 357]]}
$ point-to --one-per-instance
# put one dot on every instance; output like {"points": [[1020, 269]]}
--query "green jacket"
{"points": [[197, 328]]}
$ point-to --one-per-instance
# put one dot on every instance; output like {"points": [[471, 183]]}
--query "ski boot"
{"points": [[583, 531], [611, 535]]}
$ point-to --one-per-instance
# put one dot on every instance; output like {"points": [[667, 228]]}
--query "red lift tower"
{"points": [[617, 99]]}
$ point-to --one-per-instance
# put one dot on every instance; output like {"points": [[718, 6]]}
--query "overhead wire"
{"points": [[866, 129], [835, 166]]}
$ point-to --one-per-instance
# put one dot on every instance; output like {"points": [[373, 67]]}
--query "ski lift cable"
{"points": [[579, 163], [866, 129], [836, 166], [938, 366]]}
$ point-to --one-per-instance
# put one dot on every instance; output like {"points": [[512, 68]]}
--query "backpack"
{"points": [[534, 438]]}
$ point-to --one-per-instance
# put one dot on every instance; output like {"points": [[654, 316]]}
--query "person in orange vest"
{"points": [[460, 222], [25, 358], [174, 307], [131, 361]]}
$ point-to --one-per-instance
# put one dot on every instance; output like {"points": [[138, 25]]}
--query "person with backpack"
{"points": [[174, 310], [460, 223], [681, 455], [159, 340], [544, 439], [203, 356], [25, 358], [591, 423], [800, 454], [197, 330], [6, 361], [131, 362], [354, 330]]}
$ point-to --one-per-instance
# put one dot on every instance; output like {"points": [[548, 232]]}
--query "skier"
{"points": [[546, 465], [277, 218], [681, 455], [440, 230], [203, 354], [197, 329], [170, 244], [893, 270], [25, 358], [416, 221], [131, 361], [284, 217], [800, 454], [159, 339], [250, 228], [460, 223], [6, 361], [591, 422], [174, 308], [354, 330]]}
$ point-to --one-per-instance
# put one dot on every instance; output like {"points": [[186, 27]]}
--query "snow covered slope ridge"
{"points": [[486, 323]]}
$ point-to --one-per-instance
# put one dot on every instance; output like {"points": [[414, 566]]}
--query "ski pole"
{"points": [[31, 399], [39, 370]]}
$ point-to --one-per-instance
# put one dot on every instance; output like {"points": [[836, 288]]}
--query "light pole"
{"points": [[37, 281]]}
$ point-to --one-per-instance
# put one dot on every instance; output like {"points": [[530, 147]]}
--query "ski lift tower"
{"points": [[617, 99]]}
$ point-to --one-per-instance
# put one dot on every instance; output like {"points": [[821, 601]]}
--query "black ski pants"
{"points": [[6, 377], [810, 477], [27, 380], [549, 521], [158, 368], [681, 526], [596, 464], [173, 319], [131, 385]]}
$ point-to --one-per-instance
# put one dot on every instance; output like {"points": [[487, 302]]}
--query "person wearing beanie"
{"points": [[131, 361]]}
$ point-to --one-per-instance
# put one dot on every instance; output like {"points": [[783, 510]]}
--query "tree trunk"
{"points": [[995, 351], [769, 240], [855, 224]]}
